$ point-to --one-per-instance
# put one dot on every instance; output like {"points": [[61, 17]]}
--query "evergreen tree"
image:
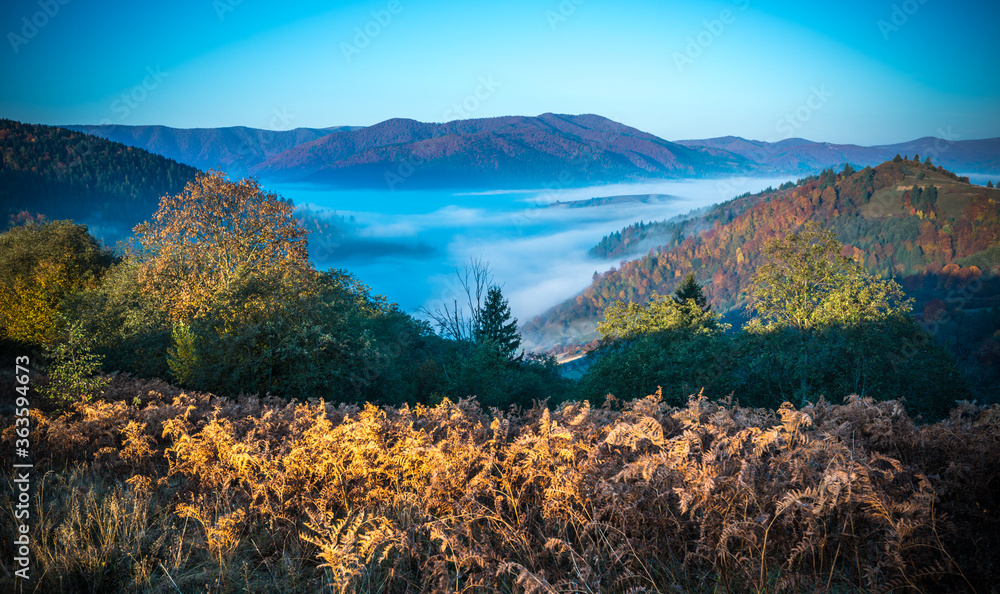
{"points": [[931, 195], [897, 159], [989, 184], [496, 326], [690, 289]]}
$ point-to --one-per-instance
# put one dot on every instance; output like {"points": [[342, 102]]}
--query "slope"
{"points": [[233, 150], [65, 174], [942, 245]]}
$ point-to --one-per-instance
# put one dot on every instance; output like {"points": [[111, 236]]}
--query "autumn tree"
{"points": [[247, 312], [805, 282], [214, 233], [41, 265], [825, 326]]}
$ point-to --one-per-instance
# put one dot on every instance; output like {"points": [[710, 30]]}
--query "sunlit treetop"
{"points": [[806, 282], [216, 231]]}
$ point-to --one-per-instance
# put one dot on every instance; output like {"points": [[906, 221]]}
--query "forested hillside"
{"points": [[64, 174], [919, 223]]}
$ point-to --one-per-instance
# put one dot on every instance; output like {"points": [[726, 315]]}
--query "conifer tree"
{"points": [[931, 195], [690, 289], [497, 326]]}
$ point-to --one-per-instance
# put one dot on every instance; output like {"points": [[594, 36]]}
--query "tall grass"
{"points": [[150, 489]]}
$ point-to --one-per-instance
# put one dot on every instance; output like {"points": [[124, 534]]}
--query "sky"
{"points": [[862, 72]]}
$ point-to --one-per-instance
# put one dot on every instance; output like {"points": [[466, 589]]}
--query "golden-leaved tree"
{"points": [[213, 235], [41, 264]]}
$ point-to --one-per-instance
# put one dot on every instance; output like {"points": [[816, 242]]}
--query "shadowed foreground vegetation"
{"points": [[151, 489]]}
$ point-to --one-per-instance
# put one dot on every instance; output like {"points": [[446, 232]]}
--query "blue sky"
{"points": [[861, 72]]}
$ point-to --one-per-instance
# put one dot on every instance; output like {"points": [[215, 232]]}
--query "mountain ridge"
{"points": [[232, 148], [495, 152], [801, 156], [514, 151]]}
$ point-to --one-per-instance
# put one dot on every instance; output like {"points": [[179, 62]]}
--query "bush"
{"points": [[129, 326], [41, 264], [72, 370]]}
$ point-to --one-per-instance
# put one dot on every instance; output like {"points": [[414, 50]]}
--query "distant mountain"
{"points": [[933, 241], [65, 174], [513, 151], [799, 156], [233, 150], [510, 151]]}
